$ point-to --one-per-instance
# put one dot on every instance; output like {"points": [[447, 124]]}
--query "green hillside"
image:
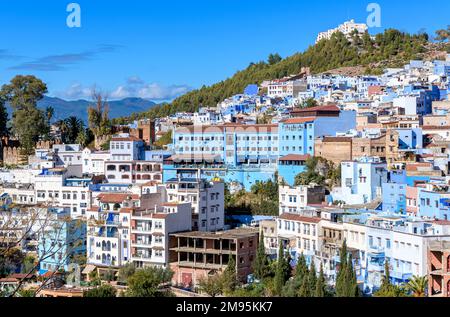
{"points": [[391, 48]]}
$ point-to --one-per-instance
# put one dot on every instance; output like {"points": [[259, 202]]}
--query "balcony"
{"points": [[141, 257], [146, 229], [142, 243]]}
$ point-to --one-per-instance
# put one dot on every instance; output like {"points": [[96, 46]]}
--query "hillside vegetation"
{"points": [[389, 49]]}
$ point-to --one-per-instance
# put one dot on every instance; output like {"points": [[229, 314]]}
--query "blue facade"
{"points": [[289, 170], [410, 138], [434, 205], [63, 239], [394, 197]]}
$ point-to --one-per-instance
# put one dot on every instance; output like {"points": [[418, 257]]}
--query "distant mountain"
{"points": [[117, 108]]}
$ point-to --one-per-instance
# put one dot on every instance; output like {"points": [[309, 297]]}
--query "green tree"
{"points": [[74, 126], [165, 139], [85, 137], [320, 289], [417, 286], [312, 279], [98, 116], [229, 277], [105, 290], [282, 271], [11, 260], [260, 265], [274, 59], [341, 278], [352, 283], [26, 293], [309, 103], [29, 263], [304, 290], [387, 289], [49, 113], [211, 285], [126, 271], [293, 286], [4, 130], [28, 122], [147, 282]]}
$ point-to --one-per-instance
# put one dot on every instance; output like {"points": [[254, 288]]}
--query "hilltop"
{"points": [[357, 56]]}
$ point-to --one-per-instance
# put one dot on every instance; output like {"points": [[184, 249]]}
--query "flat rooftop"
{"points": [[228, 234]]}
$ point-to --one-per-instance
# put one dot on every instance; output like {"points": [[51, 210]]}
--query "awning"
{"points": [[241, 159], [89, 269]]}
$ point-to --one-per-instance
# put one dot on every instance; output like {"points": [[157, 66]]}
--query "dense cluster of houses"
{"points": [[388, 136]]}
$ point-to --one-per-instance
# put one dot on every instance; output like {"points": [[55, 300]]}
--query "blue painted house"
{"points": [[394, 197], [63, 239]]}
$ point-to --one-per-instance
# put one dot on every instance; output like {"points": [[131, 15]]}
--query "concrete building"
{"points": [[109, 229], [296, 199], [347, 28], [299, 235], [94, 161], [206, 199], [361, 181], [150, 229], [439, 269], [63, 239], [195, 255]]}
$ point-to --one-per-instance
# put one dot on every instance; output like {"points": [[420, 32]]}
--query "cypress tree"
{"points": [[304, 290], [280, 274], [341, 278], [229, 278], [312, 279], [301, 269], [320, 290], [260, 266], [352, 284]]}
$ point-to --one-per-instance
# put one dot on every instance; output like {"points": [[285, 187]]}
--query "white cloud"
{"points": [[134, 87], [76, 91], [158, 92]]}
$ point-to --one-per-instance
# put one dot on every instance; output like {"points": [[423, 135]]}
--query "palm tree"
{"points": [[417, 286], [49, 113], [74, 127]]}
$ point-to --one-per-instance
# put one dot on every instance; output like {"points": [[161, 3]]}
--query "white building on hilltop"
{"points": [[347, 28]]}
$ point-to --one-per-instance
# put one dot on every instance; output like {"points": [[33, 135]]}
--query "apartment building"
{"points": [[150, 229], [133, 172], [299, 233], [55, 187], [285, 88], [361, 181], [94, 161], [63, 238], [206, 198], [295, 199], [109, 229]]}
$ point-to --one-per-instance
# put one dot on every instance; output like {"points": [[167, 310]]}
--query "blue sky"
{"points": [[159, 49]]}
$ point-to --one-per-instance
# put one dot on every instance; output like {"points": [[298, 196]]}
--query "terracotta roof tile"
{"points": [[299, 120], [294, 217], [295, 157]]}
